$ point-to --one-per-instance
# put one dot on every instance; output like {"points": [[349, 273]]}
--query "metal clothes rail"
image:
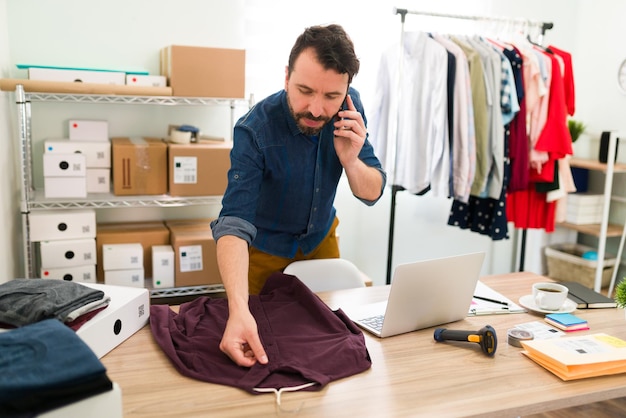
{"points": [[543, 27]]}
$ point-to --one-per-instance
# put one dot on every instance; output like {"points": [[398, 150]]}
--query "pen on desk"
{"points": [[491, 300]]}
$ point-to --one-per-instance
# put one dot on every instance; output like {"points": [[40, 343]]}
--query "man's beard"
{"points": [[307, 130]]}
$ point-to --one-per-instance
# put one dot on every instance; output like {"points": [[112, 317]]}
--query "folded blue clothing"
{"points": [[45, 365], [26, 301]]}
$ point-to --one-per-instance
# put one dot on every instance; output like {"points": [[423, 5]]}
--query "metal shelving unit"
{"points": [[34, 200]]}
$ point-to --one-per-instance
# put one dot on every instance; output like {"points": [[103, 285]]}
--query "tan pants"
{"points": [[262, 265]]}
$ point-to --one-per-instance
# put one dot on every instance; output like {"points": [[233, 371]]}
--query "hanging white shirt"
{"points": [[409, 129]]}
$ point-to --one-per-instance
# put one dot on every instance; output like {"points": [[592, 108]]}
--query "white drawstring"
{"points": [[279, 392]]}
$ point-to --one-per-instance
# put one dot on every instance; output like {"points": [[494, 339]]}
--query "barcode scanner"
{"points": [[485, 337]]}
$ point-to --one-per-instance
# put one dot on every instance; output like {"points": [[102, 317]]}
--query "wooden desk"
{"points": [[411, 374]]}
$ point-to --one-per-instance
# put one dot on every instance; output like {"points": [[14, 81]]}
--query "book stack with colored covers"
{"points": [[579, 357], [566, 322]]}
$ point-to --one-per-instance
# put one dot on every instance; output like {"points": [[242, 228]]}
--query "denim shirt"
{"points": [[282, 183]]}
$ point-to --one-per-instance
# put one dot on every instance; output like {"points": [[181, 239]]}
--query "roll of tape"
{"points": [[516, 336], [180, 137]]}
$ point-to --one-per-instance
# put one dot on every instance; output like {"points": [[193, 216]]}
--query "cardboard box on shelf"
{"points": [[139, 166], [194, 222], [199, 169], [147, 233], [195, 255], [204, 72]]}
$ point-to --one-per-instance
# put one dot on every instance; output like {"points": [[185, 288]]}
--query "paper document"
{"points": [[487, 301], [579, 357]]}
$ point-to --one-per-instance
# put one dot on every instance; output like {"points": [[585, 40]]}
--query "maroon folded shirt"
{"points": [[304, 339]]}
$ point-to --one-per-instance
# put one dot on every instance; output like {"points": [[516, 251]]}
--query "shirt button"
{"points": [[317, 190], [311, 226], [315, 209]]}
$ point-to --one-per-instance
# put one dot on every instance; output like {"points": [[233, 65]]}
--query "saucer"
{"points": [[528, 302]]}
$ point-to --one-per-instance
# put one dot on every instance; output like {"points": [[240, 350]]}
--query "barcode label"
{"points": [[190, 258], [185, 170]]}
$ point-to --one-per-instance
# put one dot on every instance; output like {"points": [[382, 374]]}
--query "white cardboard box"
{"points": [[62, 224], [97, 153], [162, 266], [103, 405], [89, 130], [71, 75], [64, 165], [122, 256], [72, 187], [67, 253], [146, 80], [98, 180], [127, 313], [130, 277], [82, 274]]}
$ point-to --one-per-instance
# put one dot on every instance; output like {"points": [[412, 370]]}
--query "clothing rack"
{"points": [[543, 27]]}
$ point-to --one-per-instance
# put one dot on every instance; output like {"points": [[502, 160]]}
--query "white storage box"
{"points": [[67, 253], [98, 180], [126, 314], [103, 405], [62, 224], [146, 80], [78, 76], [64, 165], [82, 274], [70, 187], [122, 256], [89, 130], [162, 266], [584, 208], [130, 277], [97, 153]]}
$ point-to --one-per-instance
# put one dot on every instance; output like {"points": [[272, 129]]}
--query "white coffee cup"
{"points": [[549, 296]]}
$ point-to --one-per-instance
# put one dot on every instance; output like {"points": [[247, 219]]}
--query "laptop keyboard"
{"points": [[375, 322]]}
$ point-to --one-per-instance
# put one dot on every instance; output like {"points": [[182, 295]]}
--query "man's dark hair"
{"points": [[333, 47]]}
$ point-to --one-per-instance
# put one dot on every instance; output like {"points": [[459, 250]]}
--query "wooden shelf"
{"points": [[613, 230], [595, 165]]}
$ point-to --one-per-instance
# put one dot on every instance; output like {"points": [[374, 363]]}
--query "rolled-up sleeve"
{"points": [[231, 225]]}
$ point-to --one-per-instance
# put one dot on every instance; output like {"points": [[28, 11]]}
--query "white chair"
{"points": [[326, 274]]}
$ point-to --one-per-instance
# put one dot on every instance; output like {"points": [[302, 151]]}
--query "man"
{"points": [[288, 155]]}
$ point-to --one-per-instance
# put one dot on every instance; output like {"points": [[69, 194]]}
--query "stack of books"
{"points": [[567, 322], [579, 357]]}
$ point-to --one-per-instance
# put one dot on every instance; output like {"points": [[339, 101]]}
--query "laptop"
{"points": [[423, 294]]}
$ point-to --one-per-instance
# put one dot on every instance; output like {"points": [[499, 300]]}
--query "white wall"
{"points": [[10, 223], [128, 34]]}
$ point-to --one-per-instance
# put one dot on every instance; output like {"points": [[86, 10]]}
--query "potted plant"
{"points": [[576, 129], [620, 294]]}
